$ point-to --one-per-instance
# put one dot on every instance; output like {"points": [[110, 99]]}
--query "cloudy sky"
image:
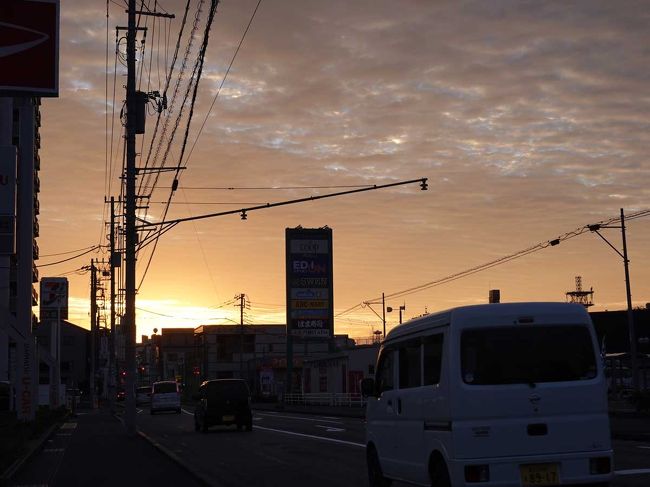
{"points": [[530, 120]]}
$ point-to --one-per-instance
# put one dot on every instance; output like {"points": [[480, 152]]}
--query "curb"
{"points": [[171, 455], [163, 449], [33, 447]]}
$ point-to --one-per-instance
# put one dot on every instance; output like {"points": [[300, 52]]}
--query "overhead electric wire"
{"points": [[68, 252], [96, 247], [496, 262], [196, 75], [232, 61], [171, 101]]}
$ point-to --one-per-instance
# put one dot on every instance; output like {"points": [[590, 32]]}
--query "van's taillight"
{"points": [[477, 473], [600, 465]]}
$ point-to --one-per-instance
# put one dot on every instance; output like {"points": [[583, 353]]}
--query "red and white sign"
{"points": [[29, 47]]}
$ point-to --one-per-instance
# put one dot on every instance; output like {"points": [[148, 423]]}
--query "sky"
{"points": [[529, 119]]}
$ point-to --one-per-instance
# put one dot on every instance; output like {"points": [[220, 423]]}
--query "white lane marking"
{"points": [[53, 450], [644, 447], [64, 434], [313, 437], [298, 418], [633, 471], [187, 412], [257, 418], [138, 410], [329, 429], [68, 426]]}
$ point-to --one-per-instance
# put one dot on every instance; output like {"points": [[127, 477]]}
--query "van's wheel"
{"points": [[375, 475], [439, 473]]}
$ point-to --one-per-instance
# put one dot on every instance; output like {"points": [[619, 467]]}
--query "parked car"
{"points": [[223, 402], [165, 396], [143, 395], [502, 394]]}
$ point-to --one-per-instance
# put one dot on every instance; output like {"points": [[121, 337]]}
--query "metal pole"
{"points": [[241, 336], [129, 310], [383, 312], [630, 314], [93, 330]]}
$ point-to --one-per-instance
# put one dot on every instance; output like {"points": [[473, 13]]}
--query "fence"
{"points": [[326, 399]]}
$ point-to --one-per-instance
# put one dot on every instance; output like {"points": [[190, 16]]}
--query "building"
{"points": [[612, 330], [257, 353], [147, 356], [75, 356], [20, 143], [176, 349], [341, 372]]}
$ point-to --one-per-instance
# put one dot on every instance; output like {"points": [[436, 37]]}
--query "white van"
{"points": [[165, 396], [490, 395]]}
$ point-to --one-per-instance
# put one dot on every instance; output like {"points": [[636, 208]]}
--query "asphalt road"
{"points": [[288, 449]]}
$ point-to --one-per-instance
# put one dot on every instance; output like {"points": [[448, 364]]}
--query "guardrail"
{"points": [[326, 399]]}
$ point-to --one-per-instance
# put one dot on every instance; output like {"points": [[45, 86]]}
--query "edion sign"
{"points": [[29, 47]]}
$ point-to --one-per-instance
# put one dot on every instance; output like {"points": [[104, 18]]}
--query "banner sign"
{"points": [[29, 48], [309, 273], [54, 298]]}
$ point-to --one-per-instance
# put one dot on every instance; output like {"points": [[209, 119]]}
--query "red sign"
{"points": [[29, 47]]}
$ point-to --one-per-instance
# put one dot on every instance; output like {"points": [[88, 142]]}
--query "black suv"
{"points": [[223, 401]]}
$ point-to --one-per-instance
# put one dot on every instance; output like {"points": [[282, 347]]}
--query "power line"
{"points": [[96, 247], [241, 41], [69, 252], [499, 261]]}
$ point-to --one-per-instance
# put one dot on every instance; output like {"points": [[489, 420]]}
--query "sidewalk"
{"points": [[93, 449]]}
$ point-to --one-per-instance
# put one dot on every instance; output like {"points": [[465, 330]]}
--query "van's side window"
{"points": [[410, 371], [385, 371], [432, 358]]}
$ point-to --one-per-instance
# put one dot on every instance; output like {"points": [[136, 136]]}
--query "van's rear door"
{"points": [[529, 389]]}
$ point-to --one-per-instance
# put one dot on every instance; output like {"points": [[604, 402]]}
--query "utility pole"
{"points": [[93, 329], [242, 305], [112, 369], [383, 312], [128, 321], [630, 314], [129, 310]]}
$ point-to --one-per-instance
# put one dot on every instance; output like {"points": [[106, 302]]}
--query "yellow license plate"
{"points": [[227, 418], [539, 474]]}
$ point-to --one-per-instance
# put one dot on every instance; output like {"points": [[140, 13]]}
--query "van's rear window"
{"points": [[527, 354], [228, 389], [164, 387]]}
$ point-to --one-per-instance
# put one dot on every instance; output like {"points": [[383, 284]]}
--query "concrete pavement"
{"points": [[93, 449]]}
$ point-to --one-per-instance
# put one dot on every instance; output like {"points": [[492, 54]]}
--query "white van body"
{"points": [[165, 396], [461, 400]]}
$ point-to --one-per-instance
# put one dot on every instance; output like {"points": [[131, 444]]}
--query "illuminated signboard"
{"points": [[310, 296], [29, 47], [54, 298]]}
